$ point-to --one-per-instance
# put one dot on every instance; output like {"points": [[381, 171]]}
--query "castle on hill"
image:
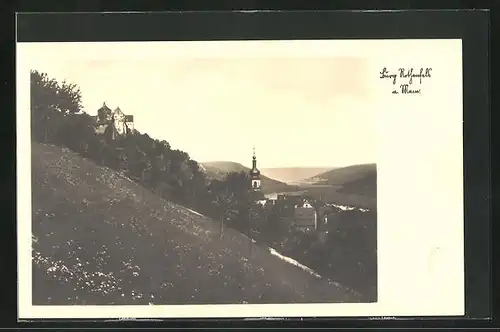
{"points": [[113, 123]]}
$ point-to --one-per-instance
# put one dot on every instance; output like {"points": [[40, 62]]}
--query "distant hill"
{"points": [[99, 238], [351, 179], [293, 174], [219, 169], [342, 175]]}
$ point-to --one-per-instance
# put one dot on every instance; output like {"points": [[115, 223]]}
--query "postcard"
{"points": [[276, 178]]}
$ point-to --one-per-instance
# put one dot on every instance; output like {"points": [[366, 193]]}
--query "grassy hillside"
{"points": [[293, 174], [219, 169], [342, 175], [356, 179], [354, 185], [99, 238]]}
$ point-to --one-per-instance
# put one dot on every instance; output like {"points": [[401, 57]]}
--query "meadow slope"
{"points": [[356, 181], [345, 175], [99, 238]]}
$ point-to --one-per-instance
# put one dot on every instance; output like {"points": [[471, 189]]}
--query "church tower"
{"points": [[255, 173]]}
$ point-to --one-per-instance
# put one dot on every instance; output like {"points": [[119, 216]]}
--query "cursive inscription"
{"points": [[408, 80], [385, 74], [406, 90]]}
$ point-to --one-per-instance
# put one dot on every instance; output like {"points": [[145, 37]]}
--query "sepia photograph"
{"points": [[202, 181], [239, 178]]}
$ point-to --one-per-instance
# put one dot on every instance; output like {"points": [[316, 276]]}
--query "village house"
{"points": [[305, 215], [113, 124]]}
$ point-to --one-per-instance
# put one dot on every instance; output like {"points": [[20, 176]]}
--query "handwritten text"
{"points": [[406, 80]]}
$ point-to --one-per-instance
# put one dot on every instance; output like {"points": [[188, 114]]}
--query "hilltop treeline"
{"points": [[347, 252]]}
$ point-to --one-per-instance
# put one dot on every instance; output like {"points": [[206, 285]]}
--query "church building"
{"points": [[255, 174], [255, 182]]}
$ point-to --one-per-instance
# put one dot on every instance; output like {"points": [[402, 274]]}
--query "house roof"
{"points": [[304, 203], [272, 196], [129, 118]]}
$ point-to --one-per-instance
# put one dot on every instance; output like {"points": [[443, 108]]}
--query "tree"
{"points": [[50, 102], [70, 98], [72, 131], [224, 202]]}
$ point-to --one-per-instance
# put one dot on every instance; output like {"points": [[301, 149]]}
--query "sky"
{"points": [[298, 111]]}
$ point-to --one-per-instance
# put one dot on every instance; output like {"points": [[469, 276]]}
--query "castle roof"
{"points": [[104, 108], [103, 113], [119, 112]]}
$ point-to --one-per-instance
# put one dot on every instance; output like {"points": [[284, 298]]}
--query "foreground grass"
{"points": [[99, 238]]}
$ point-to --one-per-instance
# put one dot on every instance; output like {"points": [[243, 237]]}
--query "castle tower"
{"points": [[104, 114], [255, 173], [119, 122]]}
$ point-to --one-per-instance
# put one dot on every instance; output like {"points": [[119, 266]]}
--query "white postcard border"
{"points": [[420, 222]]}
